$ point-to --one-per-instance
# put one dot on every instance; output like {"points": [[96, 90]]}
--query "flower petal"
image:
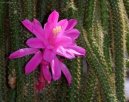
{"points": [[74, 33], [77, 50], [71, 24], [66, 72], [53, 17], [48, 55], [63, 41], [33, 63], [22, 52], [34, 28], [35, 21], [63, 23], [55, 67], [46, 73], [65, 53], [71, 51], [35, 43]]}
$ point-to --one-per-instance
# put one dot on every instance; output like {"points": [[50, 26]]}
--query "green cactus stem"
{"points": [[15, 68], [3, 52], [119, 48], [126, 4], [98, 68]]}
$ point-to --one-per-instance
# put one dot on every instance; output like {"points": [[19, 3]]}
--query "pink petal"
{"points": [[22, 52], [53, 17], [71, 51], [56, 70], [46, 73], [65, 53], [66, 72], [48, 55], [34, 28], [74, 33], [35, 43], [33, 63], [44, 34], [48, 29], [35, 21], [71, 24], [63, 41], [77, 50], [63, 23]]}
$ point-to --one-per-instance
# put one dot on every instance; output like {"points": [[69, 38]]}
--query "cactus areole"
{"points": [[55, 39]]}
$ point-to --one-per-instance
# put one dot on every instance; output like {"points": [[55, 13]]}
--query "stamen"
{"points": [[56, 30]]}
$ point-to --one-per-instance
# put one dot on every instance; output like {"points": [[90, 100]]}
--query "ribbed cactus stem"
{"points": [[98, 67], [88, 76], [15, 69], [99, 96], [75, 67], [89, 23], [3, 61], [80, 6], [90, 86], [104, 9], [126, 3], [42, 9], [89, 27], [119, 48], [127, 37], [89, 14], [118, 33]]}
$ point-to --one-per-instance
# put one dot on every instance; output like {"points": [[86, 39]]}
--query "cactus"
{"points": [[3, 60], [14, 72], [126, 3], [98, 77], [119, 44]]}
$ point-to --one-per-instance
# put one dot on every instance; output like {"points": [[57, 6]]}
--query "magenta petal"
{"points": [[77, 50], [46, 73], [56, 70], [53, 17], [22, 52], [34, 28], [36, 22], [64, 41], [74, 33], [71, 24], [33, 63], [48, 55], [65, 53], [48, 29], [63, 23], [66, 73], [35, 43]]}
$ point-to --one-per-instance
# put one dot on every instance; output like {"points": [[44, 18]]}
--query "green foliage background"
{"points": [[99, 77]]}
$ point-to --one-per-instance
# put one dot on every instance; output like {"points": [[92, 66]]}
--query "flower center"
{"points": [[56, 30]]}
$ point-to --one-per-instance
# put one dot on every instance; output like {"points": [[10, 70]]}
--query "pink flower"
{"points": [[56, 38]]}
